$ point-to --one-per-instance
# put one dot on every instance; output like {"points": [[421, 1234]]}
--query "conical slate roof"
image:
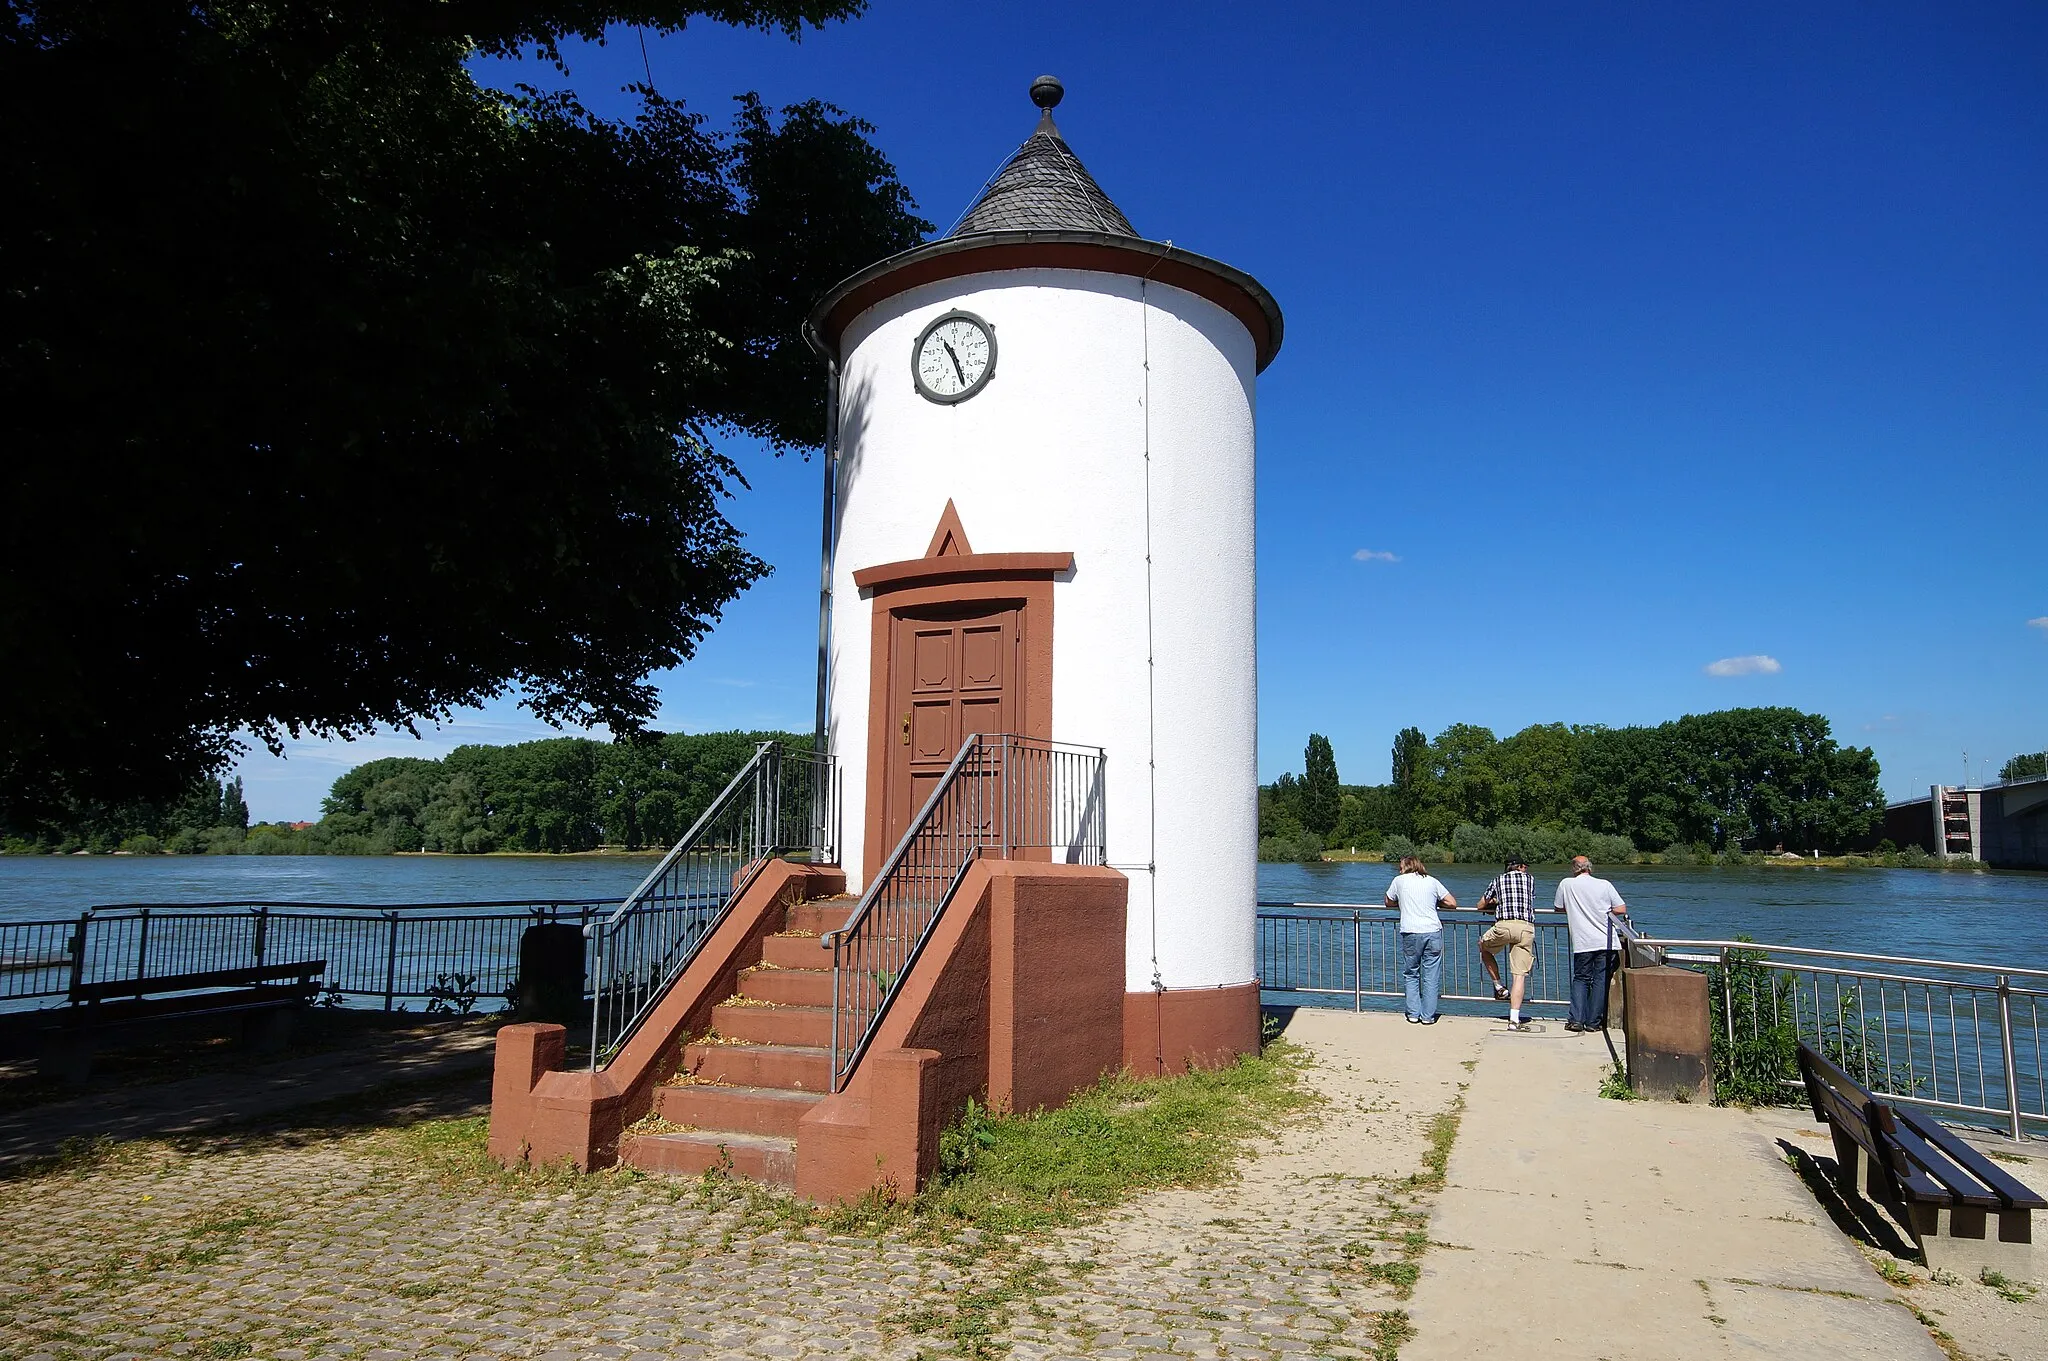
{"points": [[1043, 187]]}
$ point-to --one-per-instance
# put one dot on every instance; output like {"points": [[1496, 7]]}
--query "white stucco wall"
{"points": [[1050, 457]]}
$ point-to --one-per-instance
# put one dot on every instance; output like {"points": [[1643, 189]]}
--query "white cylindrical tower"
{"points": [[1045, 437]]}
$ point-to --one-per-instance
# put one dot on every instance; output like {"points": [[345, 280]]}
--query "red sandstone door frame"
{"points": [[962, 584]]}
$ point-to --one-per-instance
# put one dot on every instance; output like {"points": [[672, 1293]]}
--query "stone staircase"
{"points": [[742, 1089]]}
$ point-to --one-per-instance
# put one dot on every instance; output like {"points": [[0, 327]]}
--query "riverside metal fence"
{"points": [[1953, 1037], [1328, 953], [389, 955]]}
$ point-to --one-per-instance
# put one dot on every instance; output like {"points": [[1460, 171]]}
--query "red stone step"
{"points": [[811, 1026], [800, 1068], [760, 1157], [828, 914], [795, 952], [746, 1110], [789, 987]]}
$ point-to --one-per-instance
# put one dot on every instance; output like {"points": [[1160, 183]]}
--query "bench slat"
{"points": [[129, 1011], [1960, 1184], [304, 971], [2009, 1190]]}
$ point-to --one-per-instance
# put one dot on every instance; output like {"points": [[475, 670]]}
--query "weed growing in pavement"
{"points": [[1894, 1273], [1443, 1132], [1614, 1085], [1390, 1328], [2015, 1292]]}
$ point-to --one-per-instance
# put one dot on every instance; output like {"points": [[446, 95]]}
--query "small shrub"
{"points": [[1395, 846], [1678, 853], [452, 995], [1752, 1004]]}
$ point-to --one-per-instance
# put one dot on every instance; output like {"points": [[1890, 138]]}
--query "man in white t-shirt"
{"points": [[1590, 906], [1417, 893]]}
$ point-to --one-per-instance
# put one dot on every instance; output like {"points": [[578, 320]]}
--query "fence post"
{"points": [[1357, 966], [391, 962], [78, 954], [1727, 1002], [142, 955], [262, 929], [2012, 1073]]}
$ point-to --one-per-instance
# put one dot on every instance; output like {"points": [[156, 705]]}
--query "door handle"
{"points": [[906, 729]]}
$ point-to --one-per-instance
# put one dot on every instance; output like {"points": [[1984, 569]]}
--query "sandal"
{"points": [[1500, 992]]}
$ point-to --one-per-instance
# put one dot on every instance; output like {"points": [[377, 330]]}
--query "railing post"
{"points": [[142, 955], [2012, 1072], [262, 930], [78, 953], [391, 962], [833, 1076], [1727, 1002], [1357, 966]]}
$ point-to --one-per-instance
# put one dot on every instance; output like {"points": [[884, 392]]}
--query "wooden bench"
{"points": [[1964, 1212], [263, 998]]}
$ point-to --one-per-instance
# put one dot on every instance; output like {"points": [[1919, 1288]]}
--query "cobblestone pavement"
{"points": [[301, 1248], [337, 1061]]}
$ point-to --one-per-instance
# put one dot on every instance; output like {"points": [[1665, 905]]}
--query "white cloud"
{"points": [[1754, 665], [2041, 623], [1373, 555]]}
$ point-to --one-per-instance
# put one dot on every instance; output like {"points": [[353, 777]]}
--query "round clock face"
{"points": [[954, 358]]}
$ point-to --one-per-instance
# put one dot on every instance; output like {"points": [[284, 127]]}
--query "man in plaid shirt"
{"points": [[1511, 897]]}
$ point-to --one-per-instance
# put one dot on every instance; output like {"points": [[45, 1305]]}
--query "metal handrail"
{"points": [[651, 938], [999, 794], [1905, 960]]}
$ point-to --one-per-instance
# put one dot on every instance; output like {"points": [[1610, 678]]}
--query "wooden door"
{"points": [[952, 672]]}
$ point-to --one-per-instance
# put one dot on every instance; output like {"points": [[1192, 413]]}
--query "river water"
{"points": [[1977, 916]]}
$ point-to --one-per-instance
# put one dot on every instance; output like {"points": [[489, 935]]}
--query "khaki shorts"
{"points": [[1520, 939]]}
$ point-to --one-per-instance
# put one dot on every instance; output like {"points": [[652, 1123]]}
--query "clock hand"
{"points": [[958, 372]]}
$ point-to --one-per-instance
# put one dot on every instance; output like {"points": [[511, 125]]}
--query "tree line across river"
{"points": [[554, 795], [1704, 786]]}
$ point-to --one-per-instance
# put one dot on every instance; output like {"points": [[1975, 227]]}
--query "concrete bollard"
{"points": [[1670, 1035]]}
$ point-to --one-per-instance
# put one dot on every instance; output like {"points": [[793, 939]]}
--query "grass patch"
{"points": [[1014, 1173], [77, 1154]]}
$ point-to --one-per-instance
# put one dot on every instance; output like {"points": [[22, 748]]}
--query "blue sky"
{"points": [[1622, 340]]}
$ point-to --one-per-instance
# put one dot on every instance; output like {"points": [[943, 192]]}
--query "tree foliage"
{"points": [[340, 390], [1738, 778], [208, 815], [1320, 793], [2024, 767], [558, 794]]}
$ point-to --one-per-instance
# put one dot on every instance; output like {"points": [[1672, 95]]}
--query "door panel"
{"points": [[952, 672]]}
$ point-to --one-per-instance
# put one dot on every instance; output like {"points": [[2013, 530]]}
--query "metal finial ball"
{"points": [[1046, 91]]}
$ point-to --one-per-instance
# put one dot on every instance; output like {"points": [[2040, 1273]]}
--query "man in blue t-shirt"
{"points": [[1417, 893], [1591, 907]]}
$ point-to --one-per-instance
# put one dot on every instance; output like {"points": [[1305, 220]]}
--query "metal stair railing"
{"points": [[1001, 795], [780, 803]]}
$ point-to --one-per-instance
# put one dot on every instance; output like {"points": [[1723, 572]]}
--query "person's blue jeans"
{"points": [[1422, 972], [1590, 971]]}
